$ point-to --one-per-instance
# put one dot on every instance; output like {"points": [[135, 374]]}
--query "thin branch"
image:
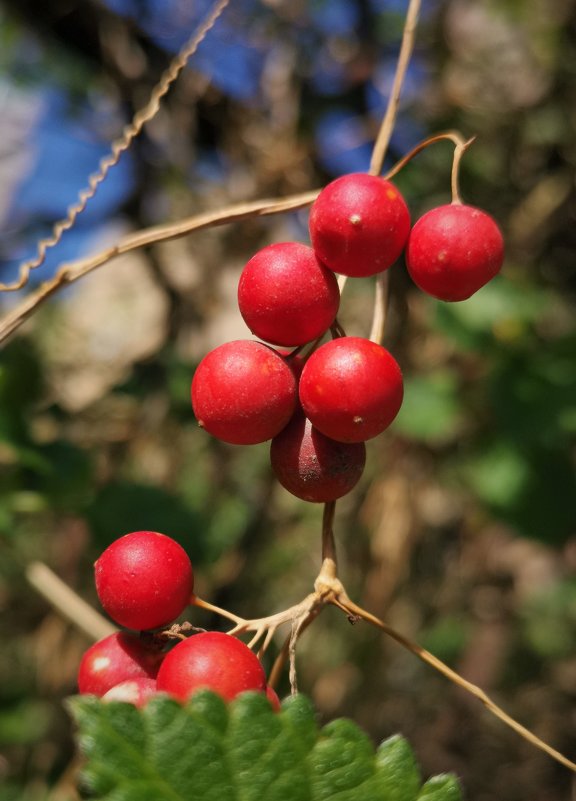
{"points": [[68, 603], [120, 145], [73, 271], [294, 635], [262, 624], [460, 147], [329, 559], [455, 678], [406, 48], [459, 151], [380, 308], [299, 626], [217, 610], [279, 662]]}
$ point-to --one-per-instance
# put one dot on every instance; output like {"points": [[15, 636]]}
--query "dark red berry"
{"points": [[272, 696], [286, 296], [117, 658], [454, 250], [144, 580], [359, 225], [351, 389], [296, 362], [132, 691], [243, 392], [312, 466], [214, 661]]}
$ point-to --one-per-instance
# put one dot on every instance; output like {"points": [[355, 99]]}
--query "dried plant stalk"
{"points": [[69, 273], [120, 145]]}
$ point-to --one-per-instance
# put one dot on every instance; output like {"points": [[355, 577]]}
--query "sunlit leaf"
{"points": [[240, 752]]}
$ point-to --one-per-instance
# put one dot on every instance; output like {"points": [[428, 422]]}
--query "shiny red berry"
{"points": [[272, 696], [286, 296], [132, 691], [312, 466], [114, 659], [359, 225], [144, 580], [243, 392], [214, 661], [453, 251], [294, 359], [351, 389]]}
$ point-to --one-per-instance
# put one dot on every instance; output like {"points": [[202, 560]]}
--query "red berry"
{"points": [[351, 389], [133, 691], [214, 661], [454, 250], [116, 658], [144, 580], [359, 225], [312, 466], [243, 392], [272, 696], [286, 296], [295, 363]]}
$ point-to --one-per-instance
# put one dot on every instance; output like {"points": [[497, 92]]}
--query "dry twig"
{"points": [[69, 273], [389, 120], [68, 603], [120, 145]]}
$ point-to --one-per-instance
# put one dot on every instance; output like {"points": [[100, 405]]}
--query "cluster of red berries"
{"points": [[319, 411], [144, 581]]}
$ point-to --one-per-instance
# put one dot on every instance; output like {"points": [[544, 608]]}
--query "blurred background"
{"points": [[461, 533]]}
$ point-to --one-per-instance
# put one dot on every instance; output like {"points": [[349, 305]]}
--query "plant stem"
{"points": [[121, 144], [455, 678], [459, 151], [387, 126], [73, 271], [67, 602], [200, 604], [461, 145], [380, 308], [279, 662], [329, 558]]}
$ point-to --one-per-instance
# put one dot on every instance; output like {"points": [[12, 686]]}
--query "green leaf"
{"points": [[399, 773], [238, 752], [502, 311], [431, 410], [532, 490], [342, 761], [441, 788], [498, 474], [24, 722], [549, 616]]}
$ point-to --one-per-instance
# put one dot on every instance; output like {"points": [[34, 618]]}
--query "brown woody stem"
{"points": [[68, 273], [120, 145], [380, 308], [67, 602], [455, 678], [406, 48], [461, 145]]}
